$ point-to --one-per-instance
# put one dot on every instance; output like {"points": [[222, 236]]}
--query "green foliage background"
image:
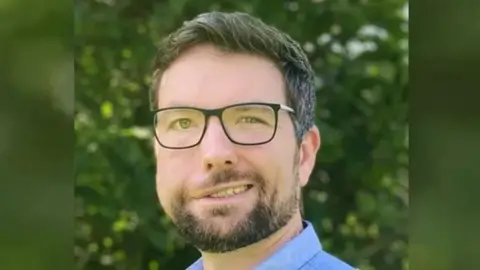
{"points": [[357, 197]]}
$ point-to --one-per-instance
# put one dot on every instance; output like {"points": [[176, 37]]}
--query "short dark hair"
{"points": [[242, 33]]}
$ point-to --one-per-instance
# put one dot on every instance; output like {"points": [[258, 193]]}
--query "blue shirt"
{"points": [[304, 252]]}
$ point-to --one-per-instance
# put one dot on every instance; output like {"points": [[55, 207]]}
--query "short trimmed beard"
{"points": [[270, 214]]}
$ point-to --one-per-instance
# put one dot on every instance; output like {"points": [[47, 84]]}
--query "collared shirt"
{"points": [[304, 252]]}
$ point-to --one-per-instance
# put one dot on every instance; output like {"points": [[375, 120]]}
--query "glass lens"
{"points": [[249, 124], [179, 127]]}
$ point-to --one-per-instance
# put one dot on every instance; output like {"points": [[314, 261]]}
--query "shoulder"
{"points": [[198, 265], [325, 261]]}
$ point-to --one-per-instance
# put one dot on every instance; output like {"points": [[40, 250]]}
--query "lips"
{"points": [[228, 191]]}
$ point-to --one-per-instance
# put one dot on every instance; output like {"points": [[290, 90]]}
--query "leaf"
{"points": [[107, 109]]}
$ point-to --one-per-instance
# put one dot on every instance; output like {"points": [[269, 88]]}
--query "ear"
{"points": [[308, 153]]}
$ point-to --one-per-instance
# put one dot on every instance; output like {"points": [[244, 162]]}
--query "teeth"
{"points": [[229, 192]]}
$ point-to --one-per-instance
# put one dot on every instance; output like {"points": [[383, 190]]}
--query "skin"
{"points": [[207, 78]]}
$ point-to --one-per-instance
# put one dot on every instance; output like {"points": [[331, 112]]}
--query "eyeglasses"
{"points": [[244, 124]]}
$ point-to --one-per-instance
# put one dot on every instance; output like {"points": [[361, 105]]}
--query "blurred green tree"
{"points": [[358, 195]]}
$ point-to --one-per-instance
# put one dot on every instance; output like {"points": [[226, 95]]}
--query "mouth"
{"points": [[230, 192]]}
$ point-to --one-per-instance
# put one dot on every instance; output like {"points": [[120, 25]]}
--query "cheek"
{"points": [[172, 166], [275, 165], [163, 190], [170, 176], [284, 162]]}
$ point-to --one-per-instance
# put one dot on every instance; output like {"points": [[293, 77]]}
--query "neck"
{"points": [[250, 256]]}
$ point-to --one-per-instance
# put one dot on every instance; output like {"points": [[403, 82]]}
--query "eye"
{"points": [[182, 123], [250, 120]]}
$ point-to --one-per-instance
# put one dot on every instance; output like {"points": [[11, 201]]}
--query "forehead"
{"points": [[206, 77]]}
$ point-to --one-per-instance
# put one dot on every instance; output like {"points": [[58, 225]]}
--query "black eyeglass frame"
{"points": [[276, 107]]}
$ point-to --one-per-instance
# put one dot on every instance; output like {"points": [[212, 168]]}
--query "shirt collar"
{"points": [[292, 255]]}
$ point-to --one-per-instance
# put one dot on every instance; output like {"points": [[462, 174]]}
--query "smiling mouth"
{"points": [[230, 192]]}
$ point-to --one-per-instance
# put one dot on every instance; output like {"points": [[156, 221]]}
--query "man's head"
{"points": [[235, 108]]}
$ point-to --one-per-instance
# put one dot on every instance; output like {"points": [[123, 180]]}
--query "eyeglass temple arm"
{"points": [[286, 108]]}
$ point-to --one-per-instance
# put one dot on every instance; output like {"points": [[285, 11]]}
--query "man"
{"points": [[235, 143]]}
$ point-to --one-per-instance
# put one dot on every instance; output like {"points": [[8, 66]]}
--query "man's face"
{"points": [[206, 78]]}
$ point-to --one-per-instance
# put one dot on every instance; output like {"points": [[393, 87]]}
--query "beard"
{"points": [[269, 214]]}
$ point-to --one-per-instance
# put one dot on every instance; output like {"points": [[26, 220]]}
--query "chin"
{"points": [[222, 223]]}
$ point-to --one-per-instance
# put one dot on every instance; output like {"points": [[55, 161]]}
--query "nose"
{"points": [[217, 150]]}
